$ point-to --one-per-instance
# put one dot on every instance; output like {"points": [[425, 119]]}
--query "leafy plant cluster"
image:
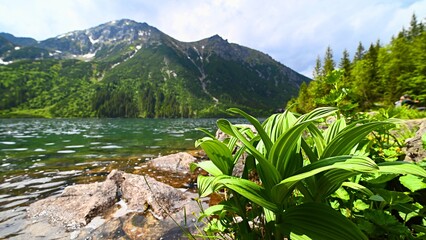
{"points": [[376, 76], [301, 181]]}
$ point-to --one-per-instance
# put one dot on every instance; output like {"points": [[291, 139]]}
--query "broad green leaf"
{"points": [[408, 210], [380, 178], [205, 185], [207, 166], [351, 164], [249, 190], [342, 194], [412, 182], [399, 167], [393, 197], [377, 198], [269, 215], [283, 152], [424, 140], [308, 151], [206, 132], [349, 137], [216, 210], [266, 140], [294, 236], [319, 221], [219, 154], [358, 187], [318, 138], [330, 181], [278, 124], [267, 172], [332, 131], [360, 205], [317, 113]]}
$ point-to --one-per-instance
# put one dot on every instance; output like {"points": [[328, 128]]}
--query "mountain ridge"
{"points": [[177, 79]]}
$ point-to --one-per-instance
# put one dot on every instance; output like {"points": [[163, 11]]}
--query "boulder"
{"points": [[143, 192], [414, 149], [178, 162], [124, 206], [77, 205]]}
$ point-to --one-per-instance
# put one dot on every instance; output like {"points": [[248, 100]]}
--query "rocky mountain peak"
{"points": [[88, 42]]}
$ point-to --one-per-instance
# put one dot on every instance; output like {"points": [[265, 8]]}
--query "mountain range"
{"points": [[128, 69]]}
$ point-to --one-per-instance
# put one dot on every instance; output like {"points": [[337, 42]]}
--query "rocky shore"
{"points": [[156, 202], [124, 206]]}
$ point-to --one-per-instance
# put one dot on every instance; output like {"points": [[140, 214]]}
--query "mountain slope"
{"points": [[129, 69]]}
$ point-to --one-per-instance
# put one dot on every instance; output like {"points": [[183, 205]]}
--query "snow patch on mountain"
{"points": [[4, 63]]}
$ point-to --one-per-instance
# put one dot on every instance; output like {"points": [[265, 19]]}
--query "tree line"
{"points": [[376, 76]]}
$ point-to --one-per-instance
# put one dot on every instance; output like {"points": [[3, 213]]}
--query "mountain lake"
{"points": [[40, 157]]}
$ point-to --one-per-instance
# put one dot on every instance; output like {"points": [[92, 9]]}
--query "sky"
{"points": [[293, 32]]}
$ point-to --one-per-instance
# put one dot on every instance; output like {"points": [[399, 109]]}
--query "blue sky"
{"points": [[293, 32]]}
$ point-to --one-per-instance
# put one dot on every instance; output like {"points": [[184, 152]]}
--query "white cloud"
{"points": [[294, 32]]}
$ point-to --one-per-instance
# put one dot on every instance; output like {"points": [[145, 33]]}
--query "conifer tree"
{"points": [[345, 65], [359, 52], [318, 68], [329, 64]]}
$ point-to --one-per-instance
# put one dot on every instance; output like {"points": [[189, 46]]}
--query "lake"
{"points": [[40, 157]]}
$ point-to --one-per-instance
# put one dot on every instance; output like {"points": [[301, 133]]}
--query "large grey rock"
{"points": [[78, 204], [143, 192], [414, 149], [178, 162], [124, 206]]}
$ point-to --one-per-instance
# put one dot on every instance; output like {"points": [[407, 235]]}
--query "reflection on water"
{"points": [[40, 157]]}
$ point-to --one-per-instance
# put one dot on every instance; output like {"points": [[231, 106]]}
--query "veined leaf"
{"points": [[408, 210], [208, 166], [316, 114], [393, 197], [249, 190], [349, 137], [330, 181], [352, 165], [399, 167], [278, 124], [318, 138], [265, 138], [205, 185], [319, 221], [216, 210], [269, 215], [206, 132], [267, 172], [219, 154], [332, 131], [412, 182], [358, 187], [308, 151], [283, 152]]}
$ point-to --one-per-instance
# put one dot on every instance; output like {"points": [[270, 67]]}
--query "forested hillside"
{"points": [[376, 76], [129, 69]]}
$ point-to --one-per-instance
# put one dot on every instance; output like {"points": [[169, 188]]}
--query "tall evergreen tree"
{"points": [[359, 52], [318, 68], [329, 63], [415, 28], [345, 64]]}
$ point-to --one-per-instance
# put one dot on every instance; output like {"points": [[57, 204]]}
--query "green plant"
{"points": [[289, 195]]}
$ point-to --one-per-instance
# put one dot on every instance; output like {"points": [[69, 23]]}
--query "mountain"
{"points": [[128, 69]]}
